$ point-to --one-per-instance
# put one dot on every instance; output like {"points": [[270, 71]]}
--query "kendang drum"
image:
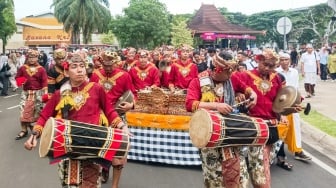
{"points": [[71, 139], [212, 129]]}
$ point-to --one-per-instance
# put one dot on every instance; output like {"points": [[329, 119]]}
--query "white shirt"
{"points": [[309, 61], [292, 76], [250, 64], [21, 61]]}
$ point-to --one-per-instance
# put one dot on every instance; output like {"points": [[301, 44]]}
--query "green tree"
{"points": [[82, 16], [266, 21], [180, 34], [233, 17], [144, 24], [108, 38], [7, 21]]}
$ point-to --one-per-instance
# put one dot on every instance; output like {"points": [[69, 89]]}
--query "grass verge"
{"points": [[321, 122]]}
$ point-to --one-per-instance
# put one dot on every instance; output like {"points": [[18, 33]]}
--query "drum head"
{"points": [[46, 137], [200, 128]]}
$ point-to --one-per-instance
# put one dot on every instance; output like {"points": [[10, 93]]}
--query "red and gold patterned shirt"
{"points": [[266, 90], [145, 77], [89, 98], [181, 74], [36, 77], [115, 84]]}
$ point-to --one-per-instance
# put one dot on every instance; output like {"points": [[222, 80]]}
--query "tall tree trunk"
{"points": [[4, 43], [75, 37]]}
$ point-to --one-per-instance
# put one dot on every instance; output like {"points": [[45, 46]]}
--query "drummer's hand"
{"points": [[298, 108], [31, 142], [172, 89], [126, 130], [252, 102], [125, 106], [223, 108], [240, 97], [284, 119]]}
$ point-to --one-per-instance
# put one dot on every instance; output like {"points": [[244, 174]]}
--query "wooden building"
{"points": [[212, 29]]}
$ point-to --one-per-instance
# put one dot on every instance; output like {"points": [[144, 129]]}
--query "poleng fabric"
{"points": [[163, 146]]}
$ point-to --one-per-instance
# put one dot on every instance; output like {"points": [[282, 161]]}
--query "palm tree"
{"points": [[86, 16]]}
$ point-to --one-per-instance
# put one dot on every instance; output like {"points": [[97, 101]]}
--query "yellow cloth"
{"points": [[290, 139], [282, 130], [158, 121]]}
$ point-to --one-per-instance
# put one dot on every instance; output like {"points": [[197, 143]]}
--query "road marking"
{"points": [[11, 96], [12, 107], [322, 164]]}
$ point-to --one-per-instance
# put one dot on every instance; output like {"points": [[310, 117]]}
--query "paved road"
{"points": [[325, 99], [20, 168]]}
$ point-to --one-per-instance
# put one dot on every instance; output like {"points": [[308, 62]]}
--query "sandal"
{"points": [[21, 135], [285, 165]]}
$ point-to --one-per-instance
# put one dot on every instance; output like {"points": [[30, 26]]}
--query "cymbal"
{"points": [[286, 98]]}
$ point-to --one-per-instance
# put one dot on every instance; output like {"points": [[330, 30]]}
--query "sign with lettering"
{"points": [[209, 36], [36, 35]]}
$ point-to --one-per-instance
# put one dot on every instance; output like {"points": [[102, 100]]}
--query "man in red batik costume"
{"points": [[183, 71], [77, 100], [165, 68], [266, 83], [35, 84], [115, 83], [222, 166], [144, 74], [131, 60], [56, 71]]}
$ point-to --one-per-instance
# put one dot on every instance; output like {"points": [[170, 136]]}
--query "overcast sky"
{"points": [[25, 8]]}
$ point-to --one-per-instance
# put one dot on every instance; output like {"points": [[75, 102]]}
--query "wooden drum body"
{"points": [[211, 129], [70, 139]]}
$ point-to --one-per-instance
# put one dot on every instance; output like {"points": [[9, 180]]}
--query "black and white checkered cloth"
{"points": [[163, 146]]}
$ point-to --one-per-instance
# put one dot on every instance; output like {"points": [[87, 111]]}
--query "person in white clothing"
{"points": [[20, 59], [310, 68], [293, 139], [12, 62]]}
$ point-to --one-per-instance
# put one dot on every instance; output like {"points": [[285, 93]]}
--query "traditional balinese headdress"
{"points": [[59, 53], [32, 53], [75, 58], [110, 58], [224, 66]]}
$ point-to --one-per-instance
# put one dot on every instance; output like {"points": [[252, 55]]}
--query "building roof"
{"points": [[39, 26], [209, 19]]}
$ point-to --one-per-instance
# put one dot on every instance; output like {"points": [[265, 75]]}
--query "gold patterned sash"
{"points": [[108, 82], [184, 70], [142, 74], [263, 86]]}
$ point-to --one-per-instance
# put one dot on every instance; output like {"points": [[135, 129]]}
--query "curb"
{"points": [[319, 140]]}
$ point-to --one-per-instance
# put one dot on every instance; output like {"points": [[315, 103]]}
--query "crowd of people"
{"points": [[85, 84]]}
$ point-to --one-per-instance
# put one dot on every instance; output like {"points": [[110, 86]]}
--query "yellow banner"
{"points": [[34, 34]]}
